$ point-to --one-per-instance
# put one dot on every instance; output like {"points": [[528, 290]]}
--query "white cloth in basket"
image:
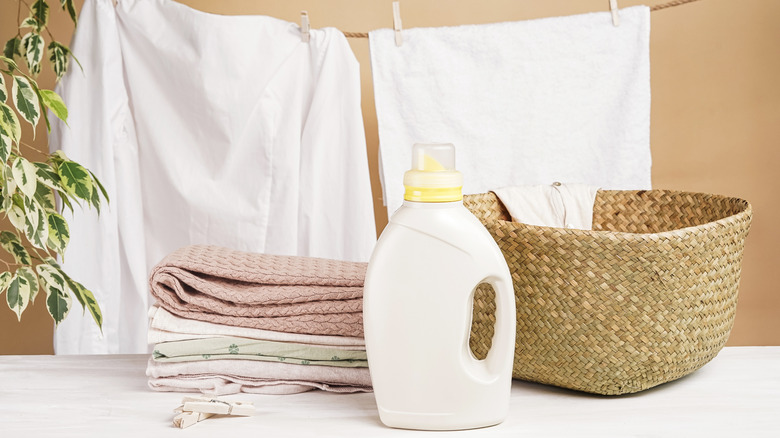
{"points": [[556, 205]]}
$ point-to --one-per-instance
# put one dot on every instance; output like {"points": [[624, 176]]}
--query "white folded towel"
{"points": [[530, 102], [556, 205], [166, 327]]}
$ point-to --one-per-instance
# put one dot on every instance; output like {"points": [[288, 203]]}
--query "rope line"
{"points": [[356, 34], [670, 4]]}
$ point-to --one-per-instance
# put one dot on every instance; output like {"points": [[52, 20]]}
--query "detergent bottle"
{"points": [[418, 301]]}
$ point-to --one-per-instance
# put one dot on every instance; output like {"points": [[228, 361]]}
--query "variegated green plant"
{"points": [[27, 198]]}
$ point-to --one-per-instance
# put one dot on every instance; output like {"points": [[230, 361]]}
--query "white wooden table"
{"points": [[737, 394]]}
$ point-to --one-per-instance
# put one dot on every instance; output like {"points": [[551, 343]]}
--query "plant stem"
{"points": [[8, 265], [31, 147], [19, 17]]}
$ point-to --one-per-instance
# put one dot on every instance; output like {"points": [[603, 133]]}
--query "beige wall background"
{"points": [[715, 115]]}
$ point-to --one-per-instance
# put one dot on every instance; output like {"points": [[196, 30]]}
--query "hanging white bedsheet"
{"points": [[206, 129], [530, 102]]}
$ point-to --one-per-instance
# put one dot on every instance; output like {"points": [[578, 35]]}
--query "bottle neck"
{"points": [[433, 205]]}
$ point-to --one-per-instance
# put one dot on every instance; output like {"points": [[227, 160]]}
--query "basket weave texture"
{"points": [[647, 297]]}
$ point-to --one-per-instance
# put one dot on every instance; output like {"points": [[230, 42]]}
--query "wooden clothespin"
{"points": [[305, 28], [195, 409], [217, 406], [186, 419], [397, 26], [613, 7]]}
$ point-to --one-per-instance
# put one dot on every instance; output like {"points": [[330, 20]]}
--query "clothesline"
{"points": [[654, 8]]}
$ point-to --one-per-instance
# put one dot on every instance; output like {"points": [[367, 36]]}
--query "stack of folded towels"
{"points": [[227, 321]]}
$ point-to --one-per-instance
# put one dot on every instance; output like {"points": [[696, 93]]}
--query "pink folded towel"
{"points": [[280, 293]]}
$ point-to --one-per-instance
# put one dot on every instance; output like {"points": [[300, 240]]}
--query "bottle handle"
{"points": [[497, 358]]}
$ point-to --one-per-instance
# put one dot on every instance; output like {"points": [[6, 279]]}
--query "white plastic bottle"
{"points": [[418, 301]]}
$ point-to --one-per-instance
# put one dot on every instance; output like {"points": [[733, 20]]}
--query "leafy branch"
{"points": [[28, 189]]}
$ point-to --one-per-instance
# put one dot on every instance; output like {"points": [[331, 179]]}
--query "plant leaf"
{"points": [[58, 57], [88, 299], [29, 23], [75, 180], [5, 147], [9, 123], [19, 293], [44, 196], [43, 229], [11, 243], [58, 301], [53, 263], [5, 280], [95, 199], [65, 201], [31, 213], [36, 227], [25, 176], [59, 234], [46, 116], [16, 217], [54, 102], [40, 13], [7, 189], [3, 90], [33, 45], [81, 67], [26, 101], [13, 47], [47, 176], [100, 186], [44, 113], [68, 5], [78, 296], [29, 274], [58, 156]]}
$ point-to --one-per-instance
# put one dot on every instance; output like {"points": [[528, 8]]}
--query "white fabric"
{"points": [[206, 129], [531, 102], [166, 327], [555, 205], [217, 386], [260, 370]]}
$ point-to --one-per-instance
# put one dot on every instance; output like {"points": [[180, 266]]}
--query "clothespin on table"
{"points": [[397, 26], [613, 7], [305, 28], [216, 406], [195, 409], [186, 419]]}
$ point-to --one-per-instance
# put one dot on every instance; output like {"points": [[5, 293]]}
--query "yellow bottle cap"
{"points": [[433, 177]]}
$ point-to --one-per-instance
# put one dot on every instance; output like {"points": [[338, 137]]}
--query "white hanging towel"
{"points": [[530, 102], [206, 129]]}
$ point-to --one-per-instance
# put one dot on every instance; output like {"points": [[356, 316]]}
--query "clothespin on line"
{"points": [[397, 26], [196, 409], [613, 7], [305, 28]]}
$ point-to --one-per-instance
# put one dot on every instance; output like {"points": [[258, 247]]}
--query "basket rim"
{"points": [[744, 215]]}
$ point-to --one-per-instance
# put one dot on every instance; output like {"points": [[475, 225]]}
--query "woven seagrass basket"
{"points": [[647, 297]]}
